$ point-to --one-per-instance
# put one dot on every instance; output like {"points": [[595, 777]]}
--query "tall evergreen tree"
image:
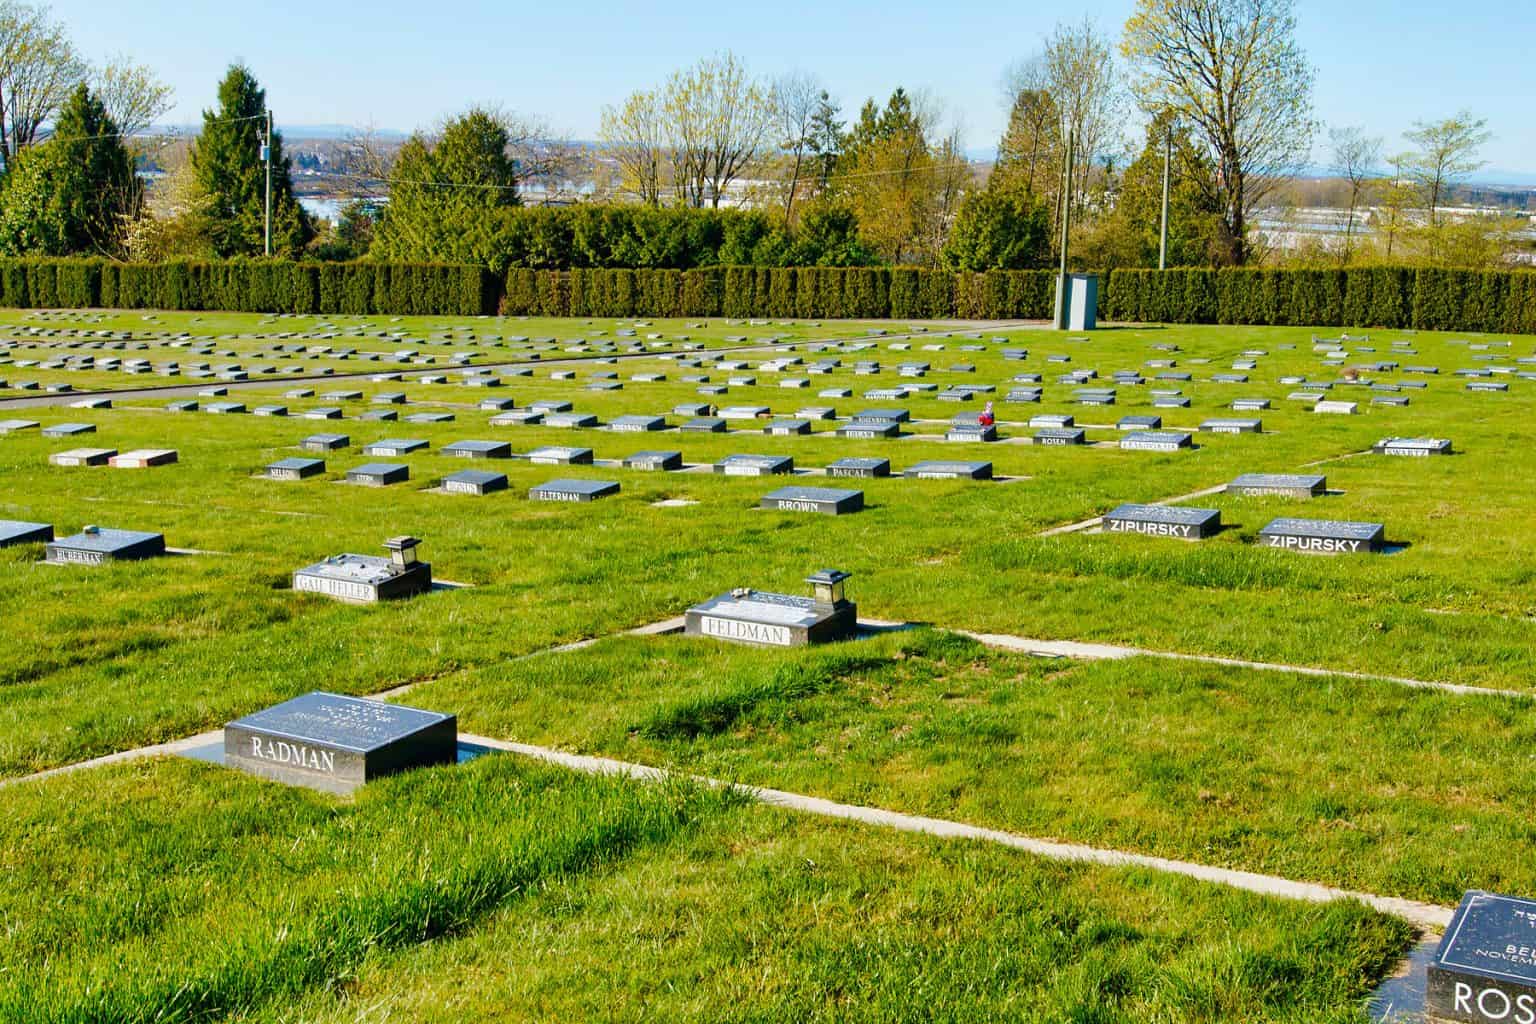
{"points": [[74, 193], [227, 160], [826, 138], [447, 195]]}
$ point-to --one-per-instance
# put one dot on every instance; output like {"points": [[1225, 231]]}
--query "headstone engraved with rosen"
{"points": [[1485, 967]]}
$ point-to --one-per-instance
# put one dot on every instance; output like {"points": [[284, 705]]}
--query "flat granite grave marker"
{"points": [[704, 425], [860, 467], [1412, 446], [325, 442], [570, 420], [1156, 441], [826, 500], [755, 465], [395, 446], [69, 429], [294, 469], [663, 461], [559, 455], [379, 474], [143, 458], [364, 579], [82, 457], [478, 450], [1164, 521], [1059, 437], [573, 490], [95, 545], [1323, 536], [1139, 423], [1271, 485], [1232, 426], [938, 469], [16, 531], [474, 481], [335, 743], [759, 618], [1484, 969]]}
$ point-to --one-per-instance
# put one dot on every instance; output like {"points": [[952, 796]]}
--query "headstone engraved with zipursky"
{"points": [[364, 579], [747, 616], [335, 743], [1485, 967]]}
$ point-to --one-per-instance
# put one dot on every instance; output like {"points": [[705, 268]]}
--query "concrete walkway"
{"points": [[1424, 915], [1109, 652]]}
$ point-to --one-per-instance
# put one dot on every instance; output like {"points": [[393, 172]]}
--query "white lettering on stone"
{"points": [[751, 632], [1482, 998], [299, 755], [345, 589]]}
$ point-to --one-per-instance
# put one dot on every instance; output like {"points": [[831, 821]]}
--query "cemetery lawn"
{"points": [[100, 660], [176, 891], [1368, 786]]}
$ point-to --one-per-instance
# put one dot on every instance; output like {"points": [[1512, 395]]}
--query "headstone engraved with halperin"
{"points": [[749, 616], [364, 579], [1485, 967], [335, 743]]}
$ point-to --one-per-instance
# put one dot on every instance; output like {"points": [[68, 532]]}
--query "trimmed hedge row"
{"points": [[258, 286], [902, 293], [1495, 301]]}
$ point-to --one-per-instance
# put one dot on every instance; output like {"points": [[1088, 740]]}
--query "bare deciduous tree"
{"points": [[636, 139], [38, 68], [1233, 70], [1447, 153], [1355, 156], [796, 98], [720, 119], [1081, 77], [133, 94]]}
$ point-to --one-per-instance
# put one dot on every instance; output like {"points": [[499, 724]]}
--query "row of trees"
{"points": [[1222, 85]]}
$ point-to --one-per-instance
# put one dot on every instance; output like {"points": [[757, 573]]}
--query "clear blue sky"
{"points": [[1380, 63]]}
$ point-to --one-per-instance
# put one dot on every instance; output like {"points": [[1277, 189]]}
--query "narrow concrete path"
{"points": [[1424, 915], [1108, 652]]}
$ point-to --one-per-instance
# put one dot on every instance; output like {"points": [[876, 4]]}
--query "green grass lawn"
{"points": [[1360, 785], [499, 891], [1355, 784]]}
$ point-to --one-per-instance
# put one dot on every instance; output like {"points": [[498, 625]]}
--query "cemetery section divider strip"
{"points": [[1423, 915]]}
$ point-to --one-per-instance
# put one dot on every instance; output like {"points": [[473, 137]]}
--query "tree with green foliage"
{"points": [[229, 170], [1128, 235], [447, 194], [826, 139], [75, 193], [999, 229]]}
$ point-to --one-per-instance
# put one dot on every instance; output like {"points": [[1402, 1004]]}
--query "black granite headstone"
{"points": [[655, 460], [334, 743], [573, 490], [1484, 970], [826, 500], [15, 531], [1323, 536], [294, 469], [95, 545], [474, 481], [1164, 521]]}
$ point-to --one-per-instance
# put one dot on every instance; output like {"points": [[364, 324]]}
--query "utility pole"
{"points": [[266, 156], [1162, 239], [1063, 305]]}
